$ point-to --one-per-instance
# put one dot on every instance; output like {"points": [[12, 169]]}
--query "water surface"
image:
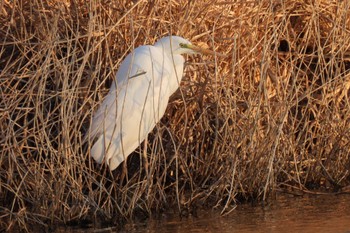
{"points": [[323, 213]]}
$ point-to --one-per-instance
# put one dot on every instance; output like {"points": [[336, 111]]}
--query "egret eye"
{"points": [[182, 45]]}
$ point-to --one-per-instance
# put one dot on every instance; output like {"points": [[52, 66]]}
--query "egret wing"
{"points": [[133, 107]]}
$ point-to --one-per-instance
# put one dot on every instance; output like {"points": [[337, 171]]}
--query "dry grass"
{"points": [[274, 114]]}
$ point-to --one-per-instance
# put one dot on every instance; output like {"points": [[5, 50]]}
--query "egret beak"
{"points": [[201, 50]]}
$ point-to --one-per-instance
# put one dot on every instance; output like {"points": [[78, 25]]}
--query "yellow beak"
{"points": [[201, 50]]}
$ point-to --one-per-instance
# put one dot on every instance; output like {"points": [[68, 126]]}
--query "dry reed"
{"points": [[274, 114]]}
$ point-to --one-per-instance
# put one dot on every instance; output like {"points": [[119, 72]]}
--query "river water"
{"points": [[321, 213]]}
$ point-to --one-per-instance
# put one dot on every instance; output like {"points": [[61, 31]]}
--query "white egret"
{"points": [[138, 98]]}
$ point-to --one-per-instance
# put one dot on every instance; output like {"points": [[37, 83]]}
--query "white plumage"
{"points": [[137, 99]]}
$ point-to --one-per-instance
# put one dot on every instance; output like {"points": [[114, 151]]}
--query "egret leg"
{"points": [[144, 155], [124, 173]]}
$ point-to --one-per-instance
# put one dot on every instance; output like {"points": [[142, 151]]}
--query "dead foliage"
{"points": [[273, 114]]}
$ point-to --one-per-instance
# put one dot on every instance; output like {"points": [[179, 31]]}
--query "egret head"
{"points": [[175, 45]]}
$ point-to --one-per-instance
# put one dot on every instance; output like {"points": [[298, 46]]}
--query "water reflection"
{"points": [[328, 213]]}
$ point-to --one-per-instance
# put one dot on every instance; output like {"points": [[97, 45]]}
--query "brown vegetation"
{"points": [[273, 114]]}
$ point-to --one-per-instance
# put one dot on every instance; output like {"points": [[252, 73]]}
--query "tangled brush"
{"points": [[273, 114]]}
